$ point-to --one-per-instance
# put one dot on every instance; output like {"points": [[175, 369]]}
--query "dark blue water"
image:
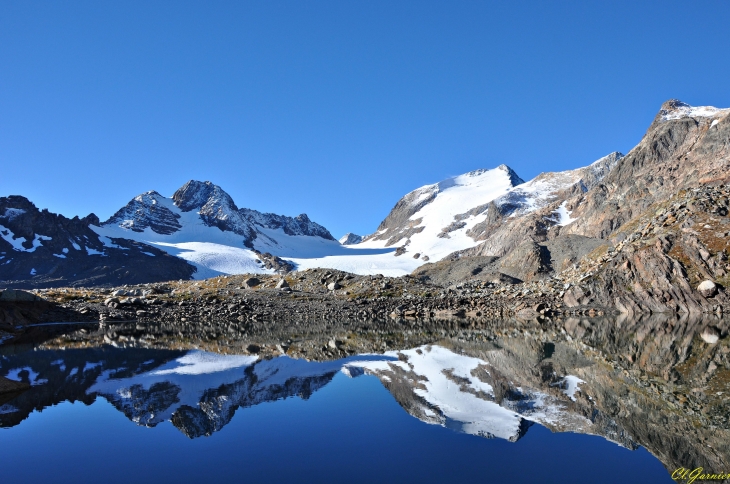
{"points": [[349, 430]]}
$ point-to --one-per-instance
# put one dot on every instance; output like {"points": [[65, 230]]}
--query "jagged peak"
{"points": [[350, 239], [195, 194], [513, 176]]}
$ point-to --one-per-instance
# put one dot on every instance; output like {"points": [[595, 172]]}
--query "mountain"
{"points": [[483, 213], [684, 147], [43, 249], [487, 223], [214, 207], [350, 239], [202, 224]]}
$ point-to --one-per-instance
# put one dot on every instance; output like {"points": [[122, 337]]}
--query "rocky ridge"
{"points": [[43, 249], [215, 208]]}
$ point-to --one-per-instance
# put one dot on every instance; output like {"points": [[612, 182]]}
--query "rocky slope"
{"points": [[43, 249]]}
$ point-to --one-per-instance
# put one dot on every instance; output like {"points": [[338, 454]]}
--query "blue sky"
{"points": [[336, 109]]}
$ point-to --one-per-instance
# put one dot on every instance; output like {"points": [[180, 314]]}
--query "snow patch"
{"points": [[564, 215], [686, 111], [17, 244], [91, 251], [7, 408], [90, 366], [201, 362], [33, 379], [13, 213], [569, 385]]}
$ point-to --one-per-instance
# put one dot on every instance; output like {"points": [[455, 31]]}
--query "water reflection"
{"points": [[657, 382]]}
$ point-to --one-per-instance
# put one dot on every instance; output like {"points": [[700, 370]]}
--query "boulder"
{"points": [[282, 284], [251, 282], [15, 295], [333, 286], [707, 288]]}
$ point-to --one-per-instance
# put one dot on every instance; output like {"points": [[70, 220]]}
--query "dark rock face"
{"points": [[43, 249], [146, 211]]}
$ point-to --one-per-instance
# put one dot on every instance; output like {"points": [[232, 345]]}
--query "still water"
{"points": [[437, 412]]}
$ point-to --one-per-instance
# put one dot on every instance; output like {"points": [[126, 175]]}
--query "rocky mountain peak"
{"points": [[672, 105], [196, 195], [146, 210], [514, 178], [350, 239]]}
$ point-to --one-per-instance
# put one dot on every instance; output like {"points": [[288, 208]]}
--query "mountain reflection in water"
{"points": [[654, 382]]}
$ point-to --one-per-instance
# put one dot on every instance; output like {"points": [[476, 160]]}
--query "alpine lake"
{"points": [[601, 400]]}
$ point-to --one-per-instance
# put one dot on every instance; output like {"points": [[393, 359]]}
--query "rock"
{"points": [[119, 292], [282, 284], [540, 307], [707, 288], [14, 295], [526, 313], [333, 286], [12, 386], [251, 282], [710, 335]]}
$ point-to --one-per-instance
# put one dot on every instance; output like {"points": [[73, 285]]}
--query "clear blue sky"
{"points": [[336, 108]]}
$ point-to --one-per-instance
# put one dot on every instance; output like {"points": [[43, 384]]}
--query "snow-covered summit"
{"points": [[421, 215], [675, 109]]}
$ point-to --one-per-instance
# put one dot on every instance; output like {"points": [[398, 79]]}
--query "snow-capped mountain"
{"points": [[459, 213], [214, 207], [202, 224]]}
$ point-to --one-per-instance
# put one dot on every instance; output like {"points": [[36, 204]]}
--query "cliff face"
{"points": [[683, 148], [658, 261]]}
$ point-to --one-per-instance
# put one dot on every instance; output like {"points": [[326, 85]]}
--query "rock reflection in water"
{"points": [[652, 381]]}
